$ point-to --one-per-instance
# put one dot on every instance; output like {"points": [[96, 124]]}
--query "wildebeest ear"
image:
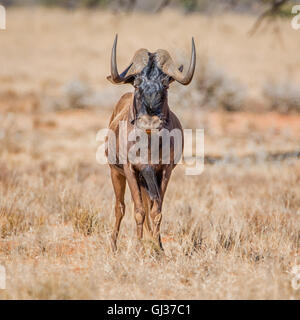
{"points": [[136, 82], [180, 69], [130, 80]]}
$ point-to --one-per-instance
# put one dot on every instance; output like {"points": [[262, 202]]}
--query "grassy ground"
{"points": [[231, 233]]}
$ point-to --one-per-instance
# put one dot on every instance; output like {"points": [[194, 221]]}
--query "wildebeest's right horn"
{"points": [[139, 61], [114, 77]]}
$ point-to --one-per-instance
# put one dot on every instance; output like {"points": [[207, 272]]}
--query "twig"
{"points": [[270, 12], [162, 5]]}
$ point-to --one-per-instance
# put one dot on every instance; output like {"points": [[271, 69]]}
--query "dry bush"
{"points": [[17, 211], [219, 90], [9, 134], [74, 94], [283, 96], [77, 94], [13, 222], [212, 89], [87, 221]]}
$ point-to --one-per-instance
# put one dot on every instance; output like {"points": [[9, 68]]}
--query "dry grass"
{"points": [[231, 233], [284, 96]]}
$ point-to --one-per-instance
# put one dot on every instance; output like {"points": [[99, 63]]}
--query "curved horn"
{"points": [[139, 61], [115, 77], [168, 67]]}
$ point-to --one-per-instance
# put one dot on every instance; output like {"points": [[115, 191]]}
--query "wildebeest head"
{"points": [[151, 74]]}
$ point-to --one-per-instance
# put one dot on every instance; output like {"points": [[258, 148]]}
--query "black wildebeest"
{"points": [[147, 109]]}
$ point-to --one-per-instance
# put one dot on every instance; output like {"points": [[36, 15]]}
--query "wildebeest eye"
{"points": [[165, 82], [137, 82]]}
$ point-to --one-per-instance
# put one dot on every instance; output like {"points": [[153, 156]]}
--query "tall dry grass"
{"points": [[232, 233]]}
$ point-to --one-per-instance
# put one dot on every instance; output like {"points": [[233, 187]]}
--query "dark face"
{"points": [[150, 97]]}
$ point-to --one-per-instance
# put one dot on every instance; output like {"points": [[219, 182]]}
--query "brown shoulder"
{"points": [[122, 107], [123, 103]]}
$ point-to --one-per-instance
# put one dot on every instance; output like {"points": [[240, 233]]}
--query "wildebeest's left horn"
{"points": [[167, 65]]}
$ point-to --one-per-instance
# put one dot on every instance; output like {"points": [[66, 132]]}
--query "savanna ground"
{"points": [[230, 233]]}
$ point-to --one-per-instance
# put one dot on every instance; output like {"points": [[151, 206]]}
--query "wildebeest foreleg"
{"points": [[139, 211], [155, 214], [119, 184], [156, 220]]}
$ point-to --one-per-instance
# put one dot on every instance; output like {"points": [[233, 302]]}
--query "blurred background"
{"points": [[55, 57]]}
